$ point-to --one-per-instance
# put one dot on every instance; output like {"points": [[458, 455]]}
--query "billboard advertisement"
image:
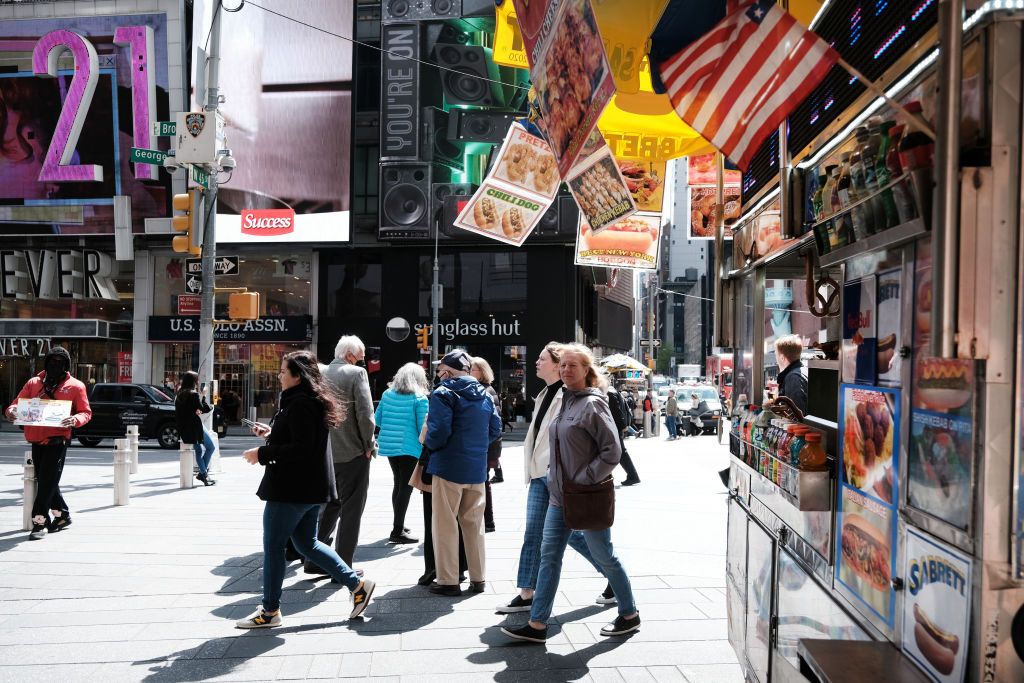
{"points": [[288, 118], [76, 95]]}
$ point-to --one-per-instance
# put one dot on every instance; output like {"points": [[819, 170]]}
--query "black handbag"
{"points": [[586, 507]]}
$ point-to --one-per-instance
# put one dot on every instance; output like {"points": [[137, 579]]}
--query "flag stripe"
{"points": [[765, 114], [744, 77], [765, 58]]}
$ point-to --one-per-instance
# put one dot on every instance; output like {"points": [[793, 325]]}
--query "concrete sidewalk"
{"points": [[150, 591]]}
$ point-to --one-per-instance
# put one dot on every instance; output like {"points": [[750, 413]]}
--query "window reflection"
{"points": [[475, 283]]}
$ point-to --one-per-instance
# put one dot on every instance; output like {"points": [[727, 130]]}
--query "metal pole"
{"points": [[435, 305], [947, 195], [719, 259], [652, 283], [206, 354]]}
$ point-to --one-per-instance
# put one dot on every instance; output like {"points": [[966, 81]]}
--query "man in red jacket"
{"points": [[50, 444]]}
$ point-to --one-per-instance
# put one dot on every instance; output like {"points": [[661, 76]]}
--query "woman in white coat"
{"points": [[536, 453]]}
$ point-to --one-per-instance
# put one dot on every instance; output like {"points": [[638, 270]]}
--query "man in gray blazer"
{"points": [[352, 447]]}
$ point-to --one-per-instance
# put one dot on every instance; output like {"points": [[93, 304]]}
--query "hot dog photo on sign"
{"points": [[628, 243], [500, 214], [936, 615]]}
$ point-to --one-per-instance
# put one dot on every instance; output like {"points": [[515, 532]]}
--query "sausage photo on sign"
{"points": [[865, 551]]}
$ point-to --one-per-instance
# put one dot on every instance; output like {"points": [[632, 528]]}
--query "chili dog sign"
{"points": [[521, 186], [936, 615]]}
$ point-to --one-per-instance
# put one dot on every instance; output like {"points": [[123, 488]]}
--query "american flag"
{"points": [[738, 82]]}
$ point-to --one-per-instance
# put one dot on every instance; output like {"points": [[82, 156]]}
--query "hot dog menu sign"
{"points": [[936, 616], [519, 189], [868, 467]]}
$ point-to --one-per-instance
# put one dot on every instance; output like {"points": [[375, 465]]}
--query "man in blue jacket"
{"points": [[461, 424]]}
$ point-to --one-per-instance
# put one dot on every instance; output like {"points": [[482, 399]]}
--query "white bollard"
{"points": [[122, 471], [30, 492], [133, 442], [187, 457], [647, 425], [215, 458]]}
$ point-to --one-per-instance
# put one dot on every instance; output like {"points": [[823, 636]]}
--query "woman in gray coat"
{"points": [[584, 449]]}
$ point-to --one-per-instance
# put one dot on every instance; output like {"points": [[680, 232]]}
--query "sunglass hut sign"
{"points": [[490, 328]]}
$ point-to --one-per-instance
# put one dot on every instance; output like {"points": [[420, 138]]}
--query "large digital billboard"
{"points": [[76, 94]]}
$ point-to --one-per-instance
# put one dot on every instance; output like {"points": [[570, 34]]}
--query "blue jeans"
{"points": [[529, 557], [203, 459], [670, 425], [297, 521], [556, 534]]}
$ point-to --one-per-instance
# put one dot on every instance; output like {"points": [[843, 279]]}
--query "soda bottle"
{"points": [[901, 191], [817, 200], [797, 444], [882, 174], [812, 455], [869, 142], [916, 149]]}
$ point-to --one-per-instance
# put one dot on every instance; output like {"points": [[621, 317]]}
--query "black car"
{"points": [[115, 406]]}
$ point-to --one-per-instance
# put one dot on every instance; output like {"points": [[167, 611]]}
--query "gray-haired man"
{"points": [[352, 446]]}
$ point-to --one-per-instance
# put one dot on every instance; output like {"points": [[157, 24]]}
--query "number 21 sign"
{"points": [[138, 40]]}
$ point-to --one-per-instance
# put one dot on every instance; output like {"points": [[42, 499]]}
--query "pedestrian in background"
{"points": [[620, 414], [50, 444], [671, 410], [585, 449], [189, 406], [298, 477], [400, 415], [697, 409], [537, 454], [352, 446], [461, 424], [481, 372]]}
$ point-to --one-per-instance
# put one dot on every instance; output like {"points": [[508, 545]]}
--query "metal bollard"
{"points": [[30, 492], [215, 458], [187, 458], [133, 442], [122, 471]]}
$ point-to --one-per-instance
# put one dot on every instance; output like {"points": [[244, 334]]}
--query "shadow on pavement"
{"points": [[190, 665], [533, 661]]}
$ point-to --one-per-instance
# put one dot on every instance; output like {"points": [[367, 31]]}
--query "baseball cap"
{"points": [[457, 360]]}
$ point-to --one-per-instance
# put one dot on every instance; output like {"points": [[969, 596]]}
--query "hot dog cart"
{"points": [[903, 549]]}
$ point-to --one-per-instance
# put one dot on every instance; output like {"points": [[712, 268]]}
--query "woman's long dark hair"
{"points": [[189, 382], [304, 365]]}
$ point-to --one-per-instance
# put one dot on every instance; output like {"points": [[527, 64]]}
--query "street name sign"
{"points": [[141, 155]]}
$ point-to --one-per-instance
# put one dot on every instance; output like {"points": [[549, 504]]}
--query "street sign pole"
{"points": [[206, 354]]}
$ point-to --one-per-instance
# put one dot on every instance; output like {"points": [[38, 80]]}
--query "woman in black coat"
{"points": [[189, 405], [298, 478]]}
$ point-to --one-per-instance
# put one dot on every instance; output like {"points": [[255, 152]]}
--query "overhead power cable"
{"points": [[463, 74]]}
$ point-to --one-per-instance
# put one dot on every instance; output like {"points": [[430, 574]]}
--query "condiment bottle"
{"points": [[812, 455]]}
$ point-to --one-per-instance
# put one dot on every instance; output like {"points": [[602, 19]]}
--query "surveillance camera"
{"points": [[227, 162], [170, 163]]}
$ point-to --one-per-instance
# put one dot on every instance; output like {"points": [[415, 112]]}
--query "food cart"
{"points": [[902, 552]]}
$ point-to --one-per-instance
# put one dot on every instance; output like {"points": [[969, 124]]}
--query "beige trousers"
{"points": [[461, 504]]}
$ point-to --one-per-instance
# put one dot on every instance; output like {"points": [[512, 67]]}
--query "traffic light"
{"points": [[423, 338], [191, 223], [244, 306]]}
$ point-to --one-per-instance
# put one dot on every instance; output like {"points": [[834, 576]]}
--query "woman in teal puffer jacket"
{"points": [[400, 415]]}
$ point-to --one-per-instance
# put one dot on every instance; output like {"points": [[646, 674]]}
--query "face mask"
{"points": [[54, 368], [361, 363]]}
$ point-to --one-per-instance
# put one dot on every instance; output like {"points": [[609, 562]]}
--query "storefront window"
{"points": [[282, 281], [785, 313], [354, 289], [476, 283]]}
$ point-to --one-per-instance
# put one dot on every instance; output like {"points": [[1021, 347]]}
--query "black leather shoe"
{"points": [[402, 539], [447, 591], [477, 586], [427, 579]]}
